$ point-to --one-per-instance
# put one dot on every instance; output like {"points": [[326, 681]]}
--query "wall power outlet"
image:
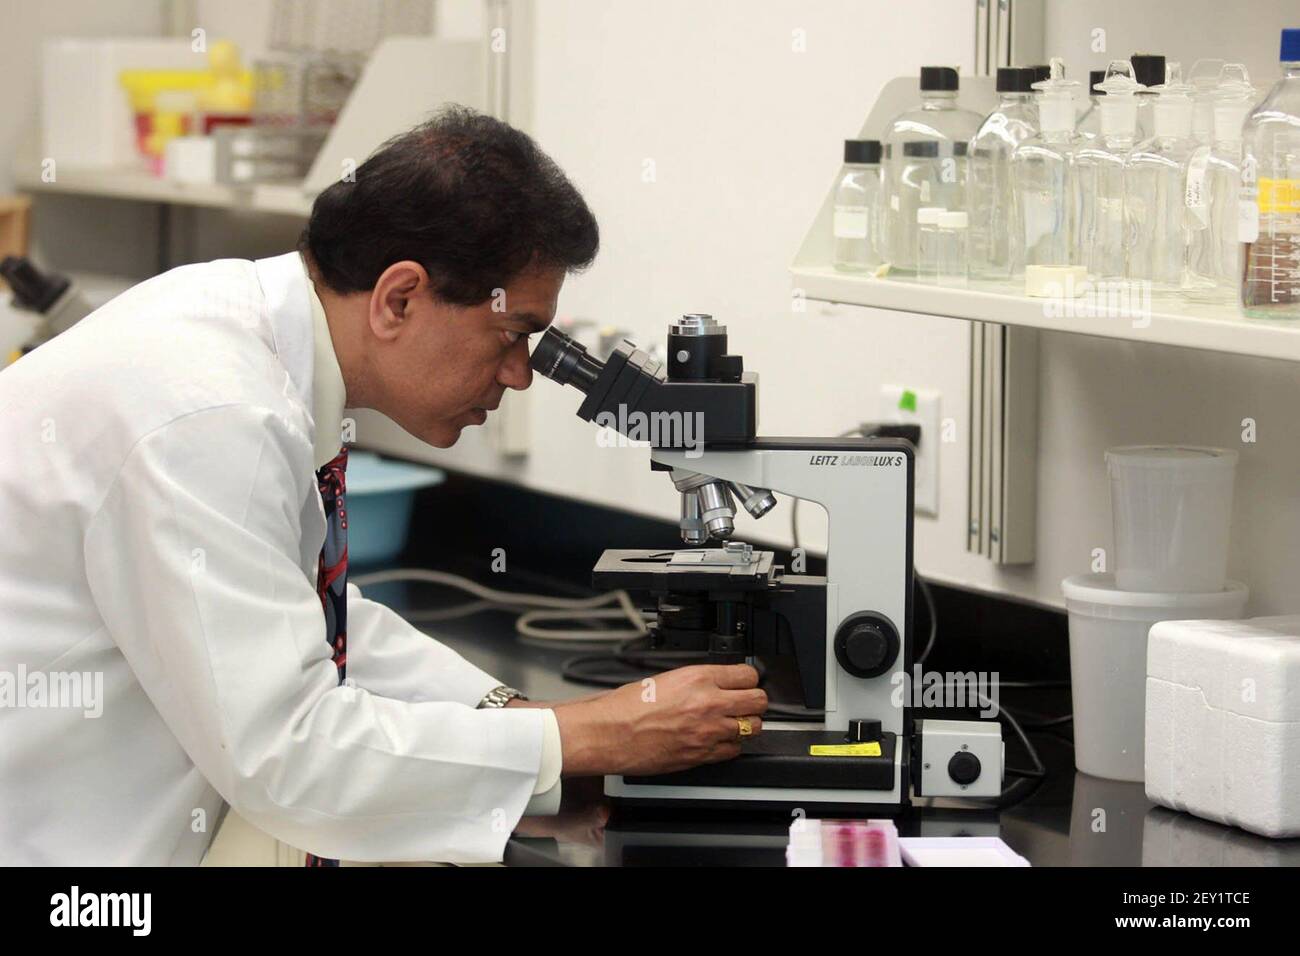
{"points": [[901, 404]]}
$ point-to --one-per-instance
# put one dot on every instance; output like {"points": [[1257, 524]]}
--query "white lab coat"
{"points": [[160, 526]]}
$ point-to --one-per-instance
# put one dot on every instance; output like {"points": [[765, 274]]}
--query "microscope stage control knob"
{"points": [[964, 767], [866, 645]]}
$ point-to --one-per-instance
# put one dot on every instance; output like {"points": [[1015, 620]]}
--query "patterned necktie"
{"points": [[332, 573]]}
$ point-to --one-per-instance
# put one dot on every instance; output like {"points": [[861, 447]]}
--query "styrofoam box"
{"points": [[86, 120], [1223, 721]]}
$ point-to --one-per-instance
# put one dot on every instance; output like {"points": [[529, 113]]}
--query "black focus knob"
{"points": [[866, 645], [864, 731], [964, 767]]}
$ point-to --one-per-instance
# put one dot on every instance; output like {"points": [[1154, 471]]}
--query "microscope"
{"points": [[840, 643]]}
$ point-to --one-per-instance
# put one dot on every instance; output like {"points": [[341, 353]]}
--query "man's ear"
{"points": [[390, 300]]}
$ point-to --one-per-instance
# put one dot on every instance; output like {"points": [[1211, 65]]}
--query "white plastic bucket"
{"points": [[1108, 663], [1171, 508]]}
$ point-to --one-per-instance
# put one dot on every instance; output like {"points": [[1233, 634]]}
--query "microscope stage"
{"points": [[694, 569]]}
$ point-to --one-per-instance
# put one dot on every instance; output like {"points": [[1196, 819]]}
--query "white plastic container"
{"points": [[1223, 721], [1108, 663], [1171, 508]]}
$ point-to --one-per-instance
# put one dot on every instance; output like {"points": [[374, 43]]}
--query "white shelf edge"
{"points": [[139, 185], [1171, 321]]}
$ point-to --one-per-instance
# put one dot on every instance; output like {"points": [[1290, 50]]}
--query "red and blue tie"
{"points": [[332, 573]]}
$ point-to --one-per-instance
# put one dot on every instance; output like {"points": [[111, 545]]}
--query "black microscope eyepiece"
{"points": [[565, 361]]}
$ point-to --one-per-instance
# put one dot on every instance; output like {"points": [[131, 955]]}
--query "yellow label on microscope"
{"points": [[871, 749]]}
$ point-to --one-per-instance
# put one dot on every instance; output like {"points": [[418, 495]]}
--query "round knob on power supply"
{"points": [[964, 767], [866, 645], [864, 731]]}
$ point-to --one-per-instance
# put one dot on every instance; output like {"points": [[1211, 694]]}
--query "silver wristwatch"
{"points": [[500, 696]]}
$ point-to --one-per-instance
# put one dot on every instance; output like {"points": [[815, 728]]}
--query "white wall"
{"points": [[1187, 30]]}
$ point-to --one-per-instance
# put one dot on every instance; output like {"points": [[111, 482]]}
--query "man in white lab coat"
{"points": [[164, 648]]}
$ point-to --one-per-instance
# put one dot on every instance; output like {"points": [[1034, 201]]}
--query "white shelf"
{"points": [[1171, 320], [139, 184], [404, 81]]}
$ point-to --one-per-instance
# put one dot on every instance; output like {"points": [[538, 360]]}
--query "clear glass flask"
{"points": [[1205, 78], [1155, 178], [925, 161], [1099, 176], [1213, 193], [856, 223], [1088, 125], [1149, 70], [1042, 176], [1270, 222], [994, 253]]}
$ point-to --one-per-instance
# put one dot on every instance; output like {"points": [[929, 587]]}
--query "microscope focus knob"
{"points": [[866, 645]]}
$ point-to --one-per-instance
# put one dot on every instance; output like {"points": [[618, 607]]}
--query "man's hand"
{"points": [[673, 721]]}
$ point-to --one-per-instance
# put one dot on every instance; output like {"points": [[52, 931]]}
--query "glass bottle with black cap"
{"points": [[856, 222], [925, 161]]}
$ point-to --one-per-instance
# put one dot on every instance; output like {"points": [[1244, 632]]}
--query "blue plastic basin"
{"points": [[380, 497]]}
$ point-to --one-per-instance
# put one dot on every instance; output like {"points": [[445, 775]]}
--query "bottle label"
{"points": [[1195, 191], [850, 222]]}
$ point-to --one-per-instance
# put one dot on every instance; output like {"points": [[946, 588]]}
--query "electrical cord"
{"points": [[1048, 724], [926, 595], [794, 502], [535, 608]]}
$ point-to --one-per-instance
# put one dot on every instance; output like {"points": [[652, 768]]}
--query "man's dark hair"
{"points": [[470, 198]]}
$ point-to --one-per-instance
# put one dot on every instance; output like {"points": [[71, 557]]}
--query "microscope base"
{"points": [[776, 771]]}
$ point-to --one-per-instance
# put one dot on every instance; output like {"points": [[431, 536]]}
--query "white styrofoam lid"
{"points": [[1180, 457], [1250, 668]]}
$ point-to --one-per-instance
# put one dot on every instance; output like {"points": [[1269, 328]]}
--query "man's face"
{"points": [[448, 366]]}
